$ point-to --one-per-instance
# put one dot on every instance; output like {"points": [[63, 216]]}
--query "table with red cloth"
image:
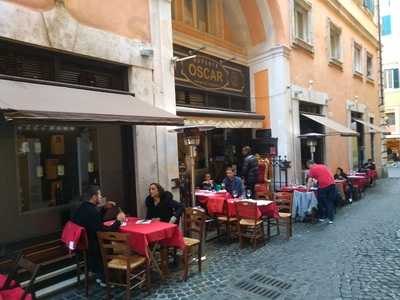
{"points": [[292, 188], [269, 209], [14, 294], [213, 201], [341, 186], [142, 235], [360, 180]]}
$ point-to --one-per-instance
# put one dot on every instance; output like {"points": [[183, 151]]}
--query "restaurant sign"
{"points": [[208, 72]]}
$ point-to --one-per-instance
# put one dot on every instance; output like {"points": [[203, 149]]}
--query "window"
{"points": [[391, 79], [386, 25], [369, 5], [302, 20], [199, 14], [357, 58], [335, 42], [390, 119], [188, 16], [369, 66], [55, 164]]}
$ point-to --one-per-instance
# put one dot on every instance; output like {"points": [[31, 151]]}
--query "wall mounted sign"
{"points": [[211, 73]]}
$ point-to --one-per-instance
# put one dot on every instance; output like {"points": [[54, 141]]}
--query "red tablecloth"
{"points": [[14, 294], [360, 179], [141, 235], [292, 188], [271, 210], [214, 201]]}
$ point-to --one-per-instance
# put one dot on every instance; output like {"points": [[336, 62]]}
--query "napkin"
{"points": [[143, 222]]}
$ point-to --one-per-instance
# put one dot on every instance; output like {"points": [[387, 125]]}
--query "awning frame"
{"points": [[371, 126], [339, 129], [88, 104]]}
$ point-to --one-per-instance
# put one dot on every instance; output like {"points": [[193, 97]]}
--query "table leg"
{"points": [[154, 263]]}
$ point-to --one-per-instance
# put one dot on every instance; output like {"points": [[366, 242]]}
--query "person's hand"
{"points": [[110, 204], [172, 220], [121, 217]]}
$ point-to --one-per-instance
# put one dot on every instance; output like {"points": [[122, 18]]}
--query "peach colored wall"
{"points": [[129, 18], [262, 96], [35, 4], [254, 21], [340, 85], [280, 14]]}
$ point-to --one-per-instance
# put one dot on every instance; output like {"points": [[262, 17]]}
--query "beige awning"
{"points": [[333, 125], [42, 102], [372, 127], [220, 118]]}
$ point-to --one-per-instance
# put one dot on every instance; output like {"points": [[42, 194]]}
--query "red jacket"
{"points": [[74, 236]]}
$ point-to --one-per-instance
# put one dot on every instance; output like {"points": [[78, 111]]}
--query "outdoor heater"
{"points": [[191, 138], [312, 141]]}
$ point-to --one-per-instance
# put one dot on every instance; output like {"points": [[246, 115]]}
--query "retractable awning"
{"points": [[220, 118], [372, 126], [333, 125], [21, 100]]}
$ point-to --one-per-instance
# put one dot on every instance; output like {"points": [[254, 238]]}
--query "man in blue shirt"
{"points": [[233, 184]]}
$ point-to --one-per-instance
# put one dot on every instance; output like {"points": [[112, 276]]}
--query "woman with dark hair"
{"points": [[160, 205]]}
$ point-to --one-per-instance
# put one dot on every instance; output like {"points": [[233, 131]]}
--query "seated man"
{"points": [[233, 184], [160, 205], [90, 216], [208, 183]]}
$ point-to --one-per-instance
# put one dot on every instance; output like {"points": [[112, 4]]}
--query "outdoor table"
{"points": [[265, 208], [141, 236], [213, 201], [292, 188], [360, 180], [303, 203]]}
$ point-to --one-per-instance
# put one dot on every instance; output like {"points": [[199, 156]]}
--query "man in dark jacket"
{"points": [[249, 170], [90, 216]]}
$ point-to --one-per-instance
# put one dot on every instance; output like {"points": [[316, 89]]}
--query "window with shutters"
{"points": [[369, 66], [334, 43], [386, 25], [369, 5], [391, 78], [357, 59], [390, 119], [37, 63], [302, 24]]}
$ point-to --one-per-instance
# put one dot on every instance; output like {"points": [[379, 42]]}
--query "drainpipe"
{"points": [[381, 89]]}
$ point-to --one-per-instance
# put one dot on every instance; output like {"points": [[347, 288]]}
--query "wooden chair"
{"points": [[118, 258], [10, 290], [228, 221], [249, 224], [194, 222], [284, 201]]}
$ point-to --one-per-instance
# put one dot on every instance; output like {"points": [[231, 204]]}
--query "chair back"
{"points": [[195, 221], [284, 201], [114, 245], [246, 210], [21, 263], [74, 236]]}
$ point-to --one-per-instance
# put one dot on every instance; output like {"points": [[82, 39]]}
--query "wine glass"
{"points": [[235, 194], [248, 194]]}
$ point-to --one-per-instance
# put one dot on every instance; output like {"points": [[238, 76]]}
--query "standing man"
{"points": [[90, 216], [326, 188], [249, 170]]}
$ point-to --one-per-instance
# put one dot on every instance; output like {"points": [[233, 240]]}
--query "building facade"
{"points": [[119, 47], [298, 57], [390, 33]]}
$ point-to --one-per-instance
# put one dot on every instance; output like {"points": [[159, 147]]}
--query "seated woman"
{"points": [[208, 183], [160, 205], [341, 175]]}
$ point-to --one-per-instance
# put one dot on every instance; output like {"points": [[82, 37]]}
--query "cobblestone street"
{"points": [[358, 257]]}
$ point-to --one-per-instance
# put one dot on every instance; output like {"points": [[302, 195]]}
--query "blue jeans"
{"points": [[326, 202]]}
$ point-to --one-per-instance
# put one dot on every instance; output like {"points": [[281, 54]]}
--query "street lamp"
{"points": [[191, 139]]}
